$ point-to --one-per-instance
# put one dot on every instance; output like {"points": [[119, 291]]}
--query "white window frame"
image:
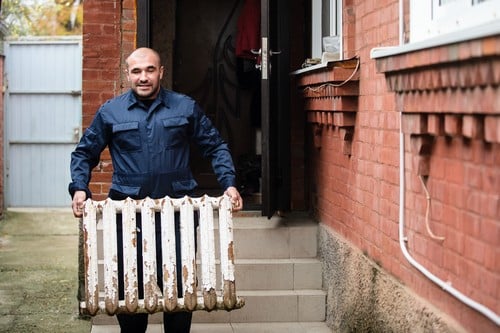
{"points": [[431, 18], [317, 29]]}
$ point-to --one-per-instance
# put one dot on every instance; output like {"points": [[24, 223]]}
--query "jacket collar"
{"points": [[162, 98]]}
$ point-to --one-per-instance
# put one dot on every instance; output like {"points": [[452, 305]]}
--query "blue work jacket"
{"points": [[150, 147]]}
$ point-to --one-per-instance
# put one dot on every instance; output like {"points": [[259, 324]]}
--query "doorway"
{"points": [[197, 41], [205, 66]]}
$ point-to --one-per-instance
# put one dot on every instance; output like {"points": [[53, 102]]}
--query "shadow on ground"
{"points": [[39, 272]]}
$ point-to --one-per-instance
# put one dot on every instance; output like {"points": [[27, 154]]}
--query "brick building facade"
{"points": [[445, 100]]}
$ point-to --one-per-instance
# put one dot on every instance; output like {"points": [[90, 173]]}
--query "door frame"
{"points": [[275, 106]]}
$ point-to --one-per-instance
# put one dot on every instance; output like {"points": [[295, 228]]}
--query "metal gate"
{"points": [[43, 79]]}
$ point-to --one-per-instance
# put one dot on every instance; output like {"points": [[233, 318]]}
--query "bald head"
{"points": [[142, 53]]}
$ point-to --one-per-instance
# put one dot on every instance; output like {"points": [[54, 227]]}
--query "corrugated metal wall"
{"points": [[42, 119]]}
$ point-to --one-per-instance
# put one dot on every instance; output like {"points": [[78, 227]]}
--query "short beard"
{"points": [[152, 95]]}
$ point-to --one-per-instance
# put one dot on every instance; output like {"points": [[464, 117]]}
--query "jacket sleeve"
{"points": [[86, 155], [212, 146]]}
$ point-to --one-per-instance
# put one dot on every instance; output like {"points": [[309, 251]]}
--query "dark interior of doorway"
{"points": [[204, 66]]}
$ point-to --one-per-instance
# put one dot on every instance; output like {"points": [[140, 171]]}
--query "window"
{"points": [[437, 17], [326, 22]]}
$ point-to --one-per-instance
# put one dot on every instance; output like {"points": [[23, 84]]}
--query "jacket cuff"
{"points": [[72, 188], [228, 182]]}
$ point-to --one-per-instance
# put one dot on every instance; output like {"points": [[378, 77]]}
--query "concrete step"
{"points": [[277, 274], [256, 237], [260, 306], [272, 274], [292, 327], [271, 306]]}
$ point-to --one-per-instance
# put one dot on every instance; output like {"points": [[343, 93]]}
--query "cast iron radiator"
{"points": [[200, 292]]}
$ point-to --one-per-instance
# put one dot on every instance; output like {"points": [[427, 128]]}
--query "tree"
{"points": [[42, 17]]}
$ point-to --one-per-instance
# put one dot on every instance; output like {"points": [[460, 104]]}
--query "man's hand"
{"points": [[235, 196], [78, 199]]}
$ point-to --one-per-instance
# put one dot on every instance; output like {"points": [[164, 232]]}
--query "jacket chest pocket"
{"points": [[126, 136], [175, 132]]}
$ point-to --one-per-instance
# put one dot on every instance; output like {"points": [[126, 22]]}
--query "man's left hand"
{"points": [[235, 196]]}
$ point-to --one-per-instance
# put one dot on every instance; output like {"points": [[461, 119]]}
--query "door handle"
{"points": [[264, 48], [257, 53], [264, 53], [76, 134]]}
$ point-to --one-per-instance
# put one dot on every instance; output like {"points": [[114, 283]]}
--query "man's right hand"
{"points": [[78, 199]]}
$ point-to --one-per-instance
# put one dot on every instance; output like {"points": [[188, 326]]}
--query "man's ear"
{"points": [[161, 72]]}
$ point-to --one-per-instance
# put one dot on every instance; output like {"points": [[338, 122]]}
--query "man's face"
{"points": [[144, 74]]}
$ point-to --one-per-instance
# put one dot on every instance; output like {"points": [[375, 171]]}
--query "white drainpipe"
{"points": [[402, 239]]}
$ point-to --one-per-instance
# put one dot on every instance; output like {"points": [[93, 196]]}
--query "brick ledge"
{"points": [[451, 90], [331, 99]]}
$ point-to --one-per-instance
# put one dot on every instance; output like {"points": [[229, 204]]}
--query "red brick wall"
{"points": [[357, 194], [108, 37], [451, 139]]}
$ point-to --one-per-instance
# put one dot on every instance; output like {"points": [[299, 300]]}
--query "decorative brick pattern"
{"points": [[331, 99], [458, 81]]}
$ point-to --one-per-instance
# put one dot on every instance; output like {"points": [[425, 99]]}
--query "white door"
{"points": [[42, 119]]}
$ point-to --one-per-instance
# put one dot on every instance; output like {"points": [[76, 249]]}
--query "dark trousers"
{"points": [[177, 322]]}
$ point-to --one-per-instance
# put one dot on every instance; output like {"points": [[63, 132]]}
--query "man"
{"points": [[148, 131]]}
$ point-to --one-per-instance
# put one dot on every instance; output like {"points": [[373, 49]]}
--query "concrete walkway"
{"points": [[38, 272]]}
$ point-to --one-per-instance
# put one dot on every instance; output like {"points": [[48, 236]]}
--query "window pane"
{"points": [[445, 2], [438, 17], [326, 21]]}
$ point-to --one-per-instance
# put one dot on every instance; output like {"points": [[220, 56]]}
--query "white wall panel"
{"points": [[42, 113]]}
